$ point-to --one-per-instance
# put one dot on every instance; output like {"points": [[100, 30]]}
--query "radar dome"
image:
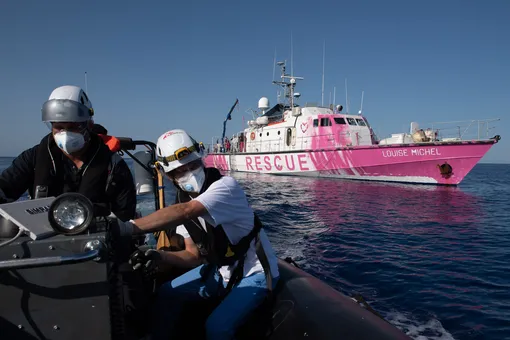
{"points": [[263, 103]]}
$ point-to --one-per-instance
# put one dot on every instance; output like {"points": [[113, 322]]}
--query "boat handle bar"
{"points": [[93, 251]]}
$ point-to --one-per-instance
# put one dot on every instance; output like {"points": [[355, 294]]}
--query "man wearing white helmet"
{"points": [[219, 229], [71, 158]]}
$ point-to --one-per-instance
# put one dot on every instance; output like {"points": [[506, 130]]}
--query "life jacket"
{"points": [[52, 179], [214, 244]]}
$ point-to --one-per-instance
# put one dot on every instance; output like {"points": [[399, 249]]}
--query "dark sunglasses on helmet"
{"points": [[178, 155]]}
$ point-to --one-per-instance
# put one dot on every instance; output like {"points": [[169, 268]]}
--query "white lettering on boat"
{"points": [[287, 162], [410, 152]]}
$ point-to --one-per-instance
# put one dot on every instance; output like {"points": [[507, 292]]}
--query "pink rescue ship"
{"points": [[311, 140]]}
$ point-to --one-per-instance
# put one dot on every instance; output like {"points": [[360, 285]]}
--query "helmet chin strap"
{"points": [[86, 135]]}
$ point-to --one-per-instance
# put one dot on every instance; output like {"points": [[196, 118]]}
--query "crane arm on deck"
{"points": [[229, 117]]}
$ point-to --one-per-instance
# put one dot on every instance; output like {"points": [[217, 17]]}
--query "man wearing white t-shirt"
{"points": [[231, 255]]}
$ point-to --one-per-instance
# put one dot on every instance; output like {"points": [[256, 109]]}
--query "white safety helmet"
{"points": [[176, 148], [67, 104]]}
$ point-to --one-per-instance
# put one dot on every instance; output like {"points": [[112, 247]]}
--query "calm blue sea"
{"points": [[434, 261]]}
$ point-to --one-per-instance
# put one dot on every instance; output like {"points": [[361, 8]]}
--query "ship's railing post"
{"points": [[463, 130]]}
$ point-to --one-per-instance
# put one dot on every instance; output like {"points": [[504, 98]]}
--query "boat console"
{"points": [[74, 283]]}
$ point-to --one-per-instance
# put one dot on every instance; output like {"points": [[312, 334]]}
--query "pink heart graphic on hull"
{"points": [[304, 126]]}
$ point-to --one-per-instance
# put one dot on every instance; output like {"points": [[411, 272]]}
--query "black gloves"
{"points": [[122, 232], [146, 260]]}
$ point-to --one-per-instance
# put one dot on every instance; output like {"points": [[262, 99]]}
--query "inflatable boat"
{"points": [[72, 281]]}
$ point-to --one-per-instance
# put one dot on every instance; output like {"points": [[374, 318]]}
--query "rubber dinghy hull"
{"points": [[62, 302], [307, 307]]}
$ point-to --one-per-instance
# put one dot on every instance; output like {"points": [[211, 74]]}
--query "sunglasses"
{"points": [[178, 155]]}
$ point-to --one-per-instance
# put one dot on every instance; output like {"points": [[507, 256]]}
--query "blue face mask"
{"points": [[192, 181]]}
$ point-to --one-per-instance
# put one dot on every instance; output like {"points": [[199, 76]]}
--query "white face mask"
{"points": [[192, 181], [69, 142]]}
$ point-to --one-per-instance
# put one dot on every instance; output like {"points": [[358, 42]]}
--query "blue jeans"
{"points": [[223, 322]]}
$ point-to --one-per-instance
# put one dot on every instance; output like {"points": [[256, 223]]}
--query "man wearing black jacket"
{"points": [[72, 158]]}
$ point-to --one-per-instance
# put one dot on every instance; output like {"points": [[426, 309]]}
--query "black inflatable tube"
{"points": [[307, 307]]}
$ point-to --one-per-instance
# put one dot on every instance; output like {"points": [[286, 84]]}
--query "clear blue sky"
{"points": [[153, 66]]}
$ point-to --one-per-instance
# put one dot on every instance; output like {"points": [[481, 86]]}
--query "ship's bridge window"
{"points": [[361, 122], [325, 122], [351, 121], [339, 120], [315, 122]]}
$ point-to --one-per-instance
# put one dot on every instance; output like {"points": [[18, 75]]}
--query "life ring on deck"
{"points": [[252, 135]]}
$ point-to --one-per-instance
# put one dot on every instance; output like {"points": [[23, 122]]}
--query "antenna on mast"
{"points": [[274, 63], [334, 95], [291, 56], [281, 64], [274, 69], [288, 86], [346, 99], [361, 109], [323, 62], [86, 86]]}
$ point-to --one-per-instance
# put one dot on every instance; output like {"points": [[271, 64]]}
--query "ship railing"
{"points": [[474, 129], [330, 140], [267, 145]]}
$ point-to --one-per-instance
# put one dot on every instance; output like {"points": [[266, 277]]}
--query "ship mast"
{"points": [[288, 86]]}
